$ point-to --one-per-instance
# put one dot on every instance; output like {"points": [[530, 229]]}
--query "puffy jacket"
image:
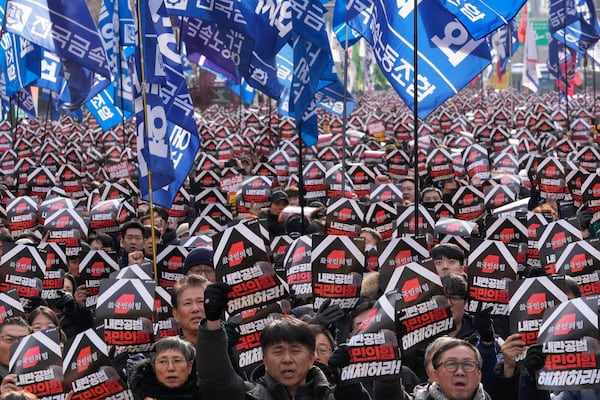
{"points": [[218, 379]]}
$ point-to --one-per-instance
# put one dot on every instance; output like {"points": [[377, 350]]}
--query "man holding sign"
{"points": [[288, 347]]}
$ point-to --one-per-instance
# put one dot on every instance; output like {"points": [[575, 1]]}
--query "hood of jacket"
{"points": [[316, 387], [143, 383]]}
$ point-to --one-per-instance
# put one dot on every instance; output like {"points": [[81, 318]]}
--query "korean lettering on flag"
{"points": [[67, 29], [116, 27], [449, 57], [267, 23], [172, 142], [574, 23], [228, 48], [103, 109], [25, 102], [20, 62], [481, 17]]}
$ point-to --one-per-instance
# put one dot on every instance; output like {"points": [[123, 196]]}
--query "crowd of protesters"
{"points": [[303, 352]]}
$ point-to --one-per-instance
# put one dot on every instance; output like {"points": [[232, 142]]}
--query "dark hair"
{"points": [[448, 250], [455, 285], [374, 234], [318, 329], [431, 189], [175, 343], [47, 312], [5, 235], [72, 279], [20, 321], [289, 330], [161, 212], [133, 224], [102, 237], [433, 347], [184, 283], [148, 232], [450, 344]]}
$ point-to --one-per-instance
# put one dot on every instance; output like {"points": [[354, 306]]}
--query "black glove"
{"points": [[328, 314], [338, 360], [534, 360], [401, 329], [482, 322], [583, 218], [215, 300]]}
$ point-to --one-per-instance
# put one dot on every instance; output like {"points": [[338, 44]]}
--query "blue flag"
{"points": [[562, 63], [103, 109], [243, 90], [20, 62], [25, 102], [449, 58], [223, 47], [166, 130], [115, 17], [341, 30], [574, 23], [4, 99], [313, 65], [64, 27], [265, 24], [50, 77], [331, 99], [481, 17], [508, 44]]}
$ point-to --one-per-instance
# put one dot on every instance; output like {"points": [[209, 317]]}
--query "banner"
{"points": [[124, 311], [240, 261], [37, 362], [337, 268], [569, 338], [529, 298], [297, 264], [248, 351], [22, 268], [491, 265], [88, 370]]}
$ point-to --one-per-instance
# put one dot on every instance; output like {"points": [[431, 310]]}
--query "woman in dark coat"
{"points": [[169, 374]]}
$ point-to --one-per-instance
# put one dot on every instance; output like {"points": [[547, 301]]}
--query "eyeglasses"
{"points": [[10, 339], [467, 365], [202, 271], [324, 351], [164, 362]]}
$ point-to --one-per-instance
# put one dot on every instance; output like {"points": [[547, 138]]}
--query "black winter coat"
{"points": [[143, 383]]}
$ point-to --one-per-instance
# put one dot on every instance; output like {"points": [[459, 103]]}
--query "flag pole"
{"points": [[146, 132], [344, 107], [565, 78], [416, 112], [513, 123], [301, 187]]}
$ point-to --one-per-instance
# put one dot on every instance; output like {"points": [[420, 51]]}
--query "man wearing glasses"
{"points": [[12, 330], [457, 373]]}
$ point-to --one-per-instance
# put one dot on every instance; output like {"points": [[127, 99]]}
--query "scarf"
{"points": [[436, 393]]}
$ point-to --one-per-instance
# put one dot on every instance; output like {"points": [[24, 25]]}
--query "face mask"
{"points": [[370, 247]]}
